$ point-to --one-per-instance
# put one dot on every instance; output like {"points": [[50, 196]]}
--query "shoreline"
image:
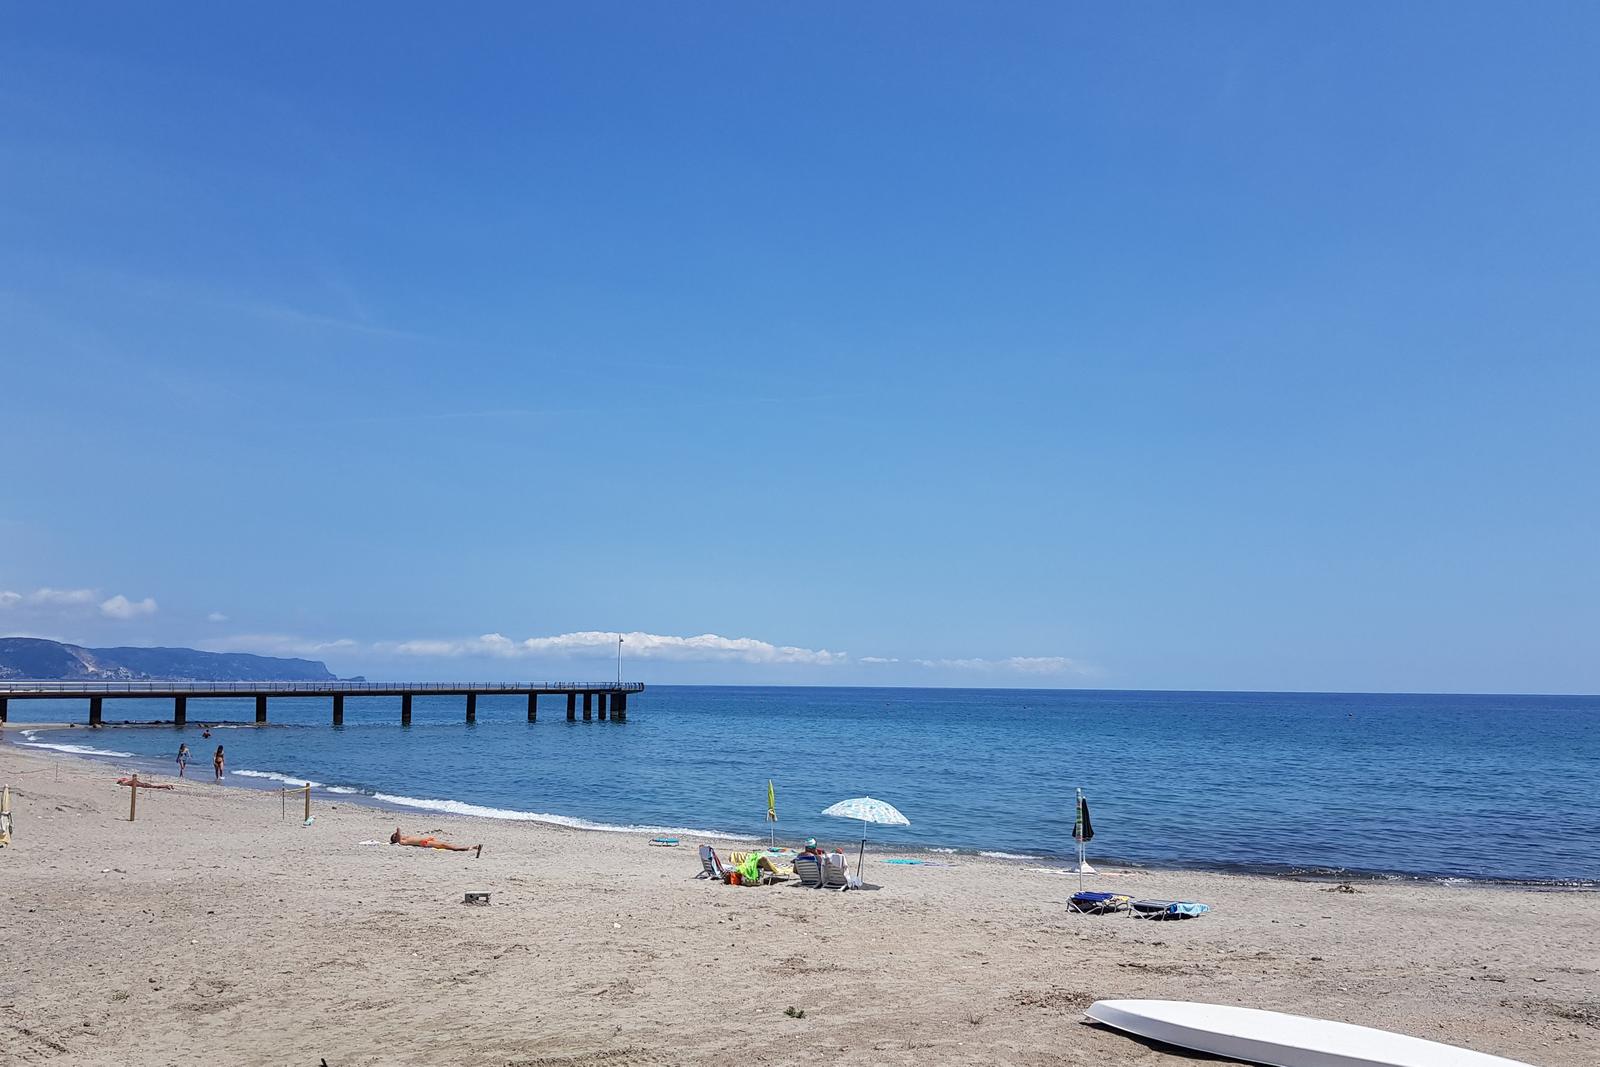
{"points": [[258, 781]]}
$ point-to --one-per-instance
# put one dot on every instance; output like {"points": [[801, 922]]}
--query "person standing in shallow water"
{"points": [[183, 759], [216, 763]]}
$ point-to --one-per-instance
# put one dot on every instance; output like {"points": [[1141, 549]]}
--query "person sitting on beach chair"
{"points": [[428, 841]]}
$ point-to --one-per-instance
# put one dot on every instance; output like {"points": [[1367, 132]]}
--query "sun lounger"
{"points": [[1167, 909], [1098, 903]]}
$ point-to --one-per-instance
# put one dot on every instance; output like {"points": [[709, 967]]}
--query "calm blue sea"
{"points": [[1480, 787]]}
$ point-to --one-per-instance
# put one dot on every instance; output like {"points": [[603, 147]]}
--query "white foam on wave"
{"points": [[478, 811], [951, 850], [1008, 856], [28, 741], [271, 776]]}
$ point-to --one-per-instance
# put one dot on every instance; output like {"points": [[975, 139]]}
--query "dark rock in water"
{"points": [[34, 658]]}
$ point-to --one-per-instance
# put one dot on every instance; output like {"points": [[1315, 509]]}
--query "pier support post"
{"points": [[603, 702], [405, 709], [572, 707], [472, 707], [533, 707], [2, 709], [94, 711], [588, 706], [261, 708], [180, 710], [619, 708], [338, 709]]}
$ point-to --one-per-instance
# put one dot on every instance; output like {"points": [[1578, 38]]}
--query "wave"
{"points": [[284, 778], [478, 811], [1008, 856], [76, 750]]}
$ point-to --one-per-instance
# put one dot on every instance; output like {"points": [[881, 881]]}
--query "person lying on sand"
{"points": [[428, 841]]}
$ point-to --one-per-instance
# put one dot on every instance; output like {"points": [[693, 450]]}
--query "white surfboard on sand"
{"points": [[1277, 1039]]}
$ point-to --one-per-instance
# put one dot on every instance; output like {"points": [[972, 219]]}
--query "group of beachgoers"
{"points": [[217, 760], [757, 868]]}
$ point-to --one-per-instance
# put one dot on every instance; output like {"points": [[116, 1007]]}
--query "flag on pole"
{"points": [[1082, 828], [772, 802]]}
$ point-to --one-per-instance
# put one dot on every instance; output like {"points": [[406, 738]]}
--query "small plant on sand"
{"points": [[794, 1012], [974, 1018]]}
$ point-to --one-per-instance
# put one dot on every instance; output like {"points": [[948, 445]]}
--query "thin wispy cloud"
{"points": [[281, 645], [1018, 664]]}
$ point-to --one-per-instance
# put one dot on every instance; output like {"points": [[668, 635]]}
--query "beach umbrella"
{"points": [[1082, 833], [772, 814], [867, 810]]}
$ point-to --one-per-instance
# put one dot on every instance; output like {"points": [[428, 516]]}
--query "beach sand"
{"points": [[213, 931]]}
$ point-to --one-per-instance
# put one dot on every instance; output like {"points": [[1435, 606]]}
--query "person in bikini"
{"points": [[429, 841]]}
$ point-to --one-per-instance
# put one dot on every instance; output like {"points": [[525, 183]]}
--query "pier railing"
{"points": [[136, 688]]}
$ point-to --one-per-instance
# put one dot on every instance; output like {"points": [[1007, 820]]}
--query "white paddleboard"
{"points": [[1280, 1040]]}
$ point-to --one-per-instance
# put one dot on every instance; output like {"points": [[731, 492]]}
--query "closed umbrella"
{"points": [[867, 810]]}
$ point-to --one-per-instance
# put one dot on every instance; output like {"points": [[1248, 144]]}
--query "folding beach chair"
{"points": [[809, 871], [710, 865], [835, 871]]}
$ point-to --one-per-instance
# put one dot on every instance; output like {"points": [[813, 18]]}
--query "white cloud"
{"points": [[120, 607], [635, 646], [879, 659], [46, 600], [216, 616]]}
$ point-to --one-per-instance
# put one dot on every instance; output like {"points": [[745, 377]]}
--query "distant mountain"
{"points": [[33, 658]]}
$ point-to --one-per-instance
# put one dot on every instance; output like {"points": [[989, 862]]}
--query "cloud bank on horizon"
{"points": [[84, 607], [636, 646]]}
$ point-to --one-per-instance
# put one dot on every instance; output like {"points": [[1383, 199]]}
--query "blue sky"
{"points": [[1126, 346]]}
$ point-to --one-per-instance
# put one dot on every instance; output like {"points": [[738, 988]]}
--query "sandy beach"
{"points": [[212, 930]]}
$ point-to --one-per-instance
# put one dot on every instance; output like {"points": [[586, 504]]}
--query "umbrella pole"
{"points": [[1076, 815], [861, 855]]}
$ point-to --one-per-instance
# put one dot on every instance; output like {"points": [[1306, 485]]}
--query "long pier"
{"points": [[611, 697]]}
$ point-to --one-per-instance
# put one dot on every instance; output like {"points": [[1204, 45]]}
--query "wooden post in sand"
{"points": [[308, 802], [133, 797]]}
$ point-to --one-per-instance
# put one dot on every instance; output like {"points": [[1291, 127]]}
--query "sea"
{"points": [[1348, 786]]}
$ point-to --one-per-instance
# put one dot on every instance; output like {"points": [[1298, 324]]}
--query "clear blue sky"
{"points": [[1115, 345]]}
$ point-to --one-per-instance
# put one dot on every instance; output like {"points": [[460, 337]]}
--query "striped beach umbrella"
{"points": [[867, 810]]}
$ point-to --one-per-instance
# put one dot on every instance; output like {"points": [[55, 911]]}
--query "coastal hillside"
{"points": [[34, 658]]}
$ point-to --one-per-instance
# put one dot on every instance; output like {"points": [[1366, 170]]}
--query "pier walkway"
{"points": [[611, 697]]}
